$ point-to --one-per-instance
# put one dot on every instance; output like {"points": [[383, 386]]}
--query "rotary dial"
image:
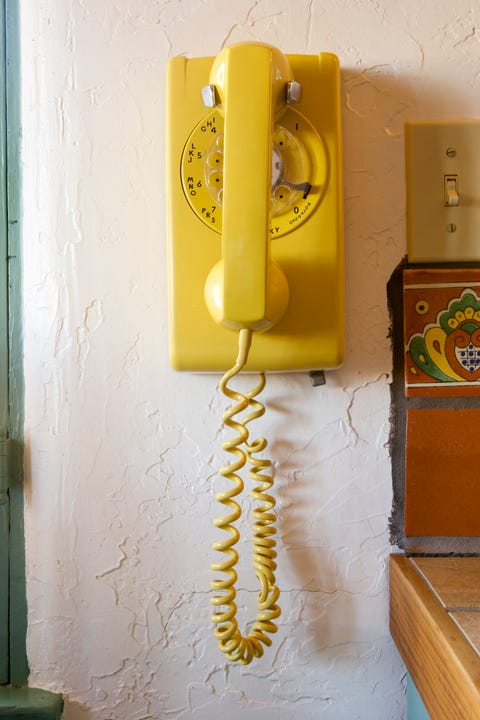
{"points": [[298, 171]]}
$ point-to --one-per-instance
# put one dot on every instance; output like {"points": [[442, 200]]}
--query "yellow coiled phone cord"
{"points": [[231, 642]]}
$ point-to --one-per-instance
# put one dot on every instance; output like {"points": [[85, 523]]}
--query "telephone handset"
{"points": [[255, 248]]}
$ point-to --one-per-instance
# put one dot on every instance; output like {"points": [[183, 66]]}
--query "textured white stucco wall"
{"points": [[121, 451]]}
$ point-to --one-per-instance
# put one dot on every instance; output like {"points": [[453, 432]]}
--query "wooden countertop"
{"points": [[435, 622]]}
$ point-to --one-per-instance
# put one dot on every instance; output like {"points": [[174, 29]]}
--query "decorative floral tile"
{"points": [[442, 331]]}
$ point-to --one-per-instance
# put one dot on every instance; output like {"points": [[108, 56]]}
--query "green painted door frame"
{"points": [[4, 384], [17, 701], [13, 614]]}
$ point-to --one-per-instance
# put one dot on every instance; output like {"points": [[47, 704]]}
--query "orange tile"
{"points": [[442, 478]]}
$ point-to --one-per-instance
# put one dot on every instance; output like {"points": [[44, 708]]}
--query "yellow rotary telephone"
{"points": [[255, 257]]}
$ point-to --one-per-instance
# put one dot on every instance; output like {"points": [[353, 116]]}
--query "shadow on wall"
{"points": [[376, 104], [76, 711]]}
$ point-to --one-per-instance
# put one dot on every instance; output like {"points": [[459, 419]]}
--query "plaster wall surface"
{"points": [[122, 452]]}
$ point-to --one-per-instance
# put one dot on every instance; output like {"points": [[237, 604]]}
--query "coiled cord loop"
{"points": [[235, 646]]}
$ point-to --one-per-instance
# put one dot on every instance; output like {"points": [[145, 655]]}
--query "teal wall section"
{"points": [[415, 707]]}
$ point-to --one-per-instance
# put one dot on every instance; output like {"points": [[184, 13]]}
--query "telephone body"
{"points": [[254, 189], [255, 257]]}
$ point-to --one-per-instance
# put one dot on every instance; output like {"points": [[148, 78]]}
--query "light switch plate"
{"points": [[435, 151]]}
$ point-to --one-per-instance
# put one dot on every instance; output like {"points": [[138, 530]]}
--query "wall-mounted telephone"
{"points": [[255, 258]]}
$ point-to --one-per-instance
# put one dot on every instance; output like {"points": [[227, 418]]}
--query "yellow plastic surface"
{"points": [[246, 72], [266, 244]]}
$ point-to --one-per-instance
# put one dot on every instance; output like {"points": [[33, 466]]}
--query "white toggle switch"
{"points": [[443, 190], [451, 190]]}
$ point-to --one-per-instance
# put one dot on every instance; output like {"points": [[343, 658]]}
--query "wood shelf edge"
{"points": [[443, 665]]}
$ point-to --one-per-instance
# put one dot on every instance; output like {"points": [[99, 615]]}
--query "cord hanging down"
{"points": [[231, 642]]}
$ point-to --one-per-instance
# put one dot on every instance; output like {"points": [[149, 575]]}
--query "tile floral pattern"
{"points": [[442, 331]]}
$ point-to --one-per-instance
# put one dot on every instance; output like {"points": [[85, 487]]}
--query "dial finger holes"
{"points": [[281, 138], [216, 179], [282, 197], [215, 159], [215, 185], [214, 169]]}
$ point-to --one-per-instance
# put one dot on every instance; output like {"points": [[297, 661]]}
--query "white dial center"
{"points": [[277, 167]]}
